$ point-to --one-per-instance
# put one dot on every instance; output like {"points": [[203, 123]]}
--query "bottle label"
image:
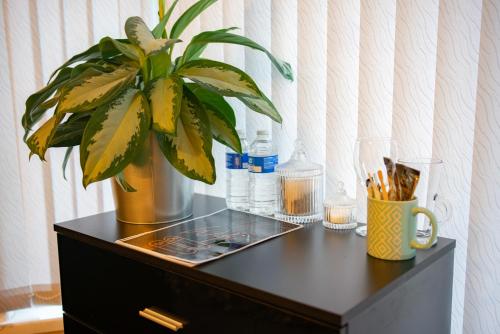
{"points": [[236, 161], [262, 164]]}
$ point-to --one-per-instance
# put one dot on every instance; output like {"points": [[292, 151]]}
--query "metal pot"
{"points": [[163, 194]]}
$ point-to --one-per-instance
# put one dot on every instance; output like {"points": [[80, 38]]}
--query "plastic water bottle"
{"points": [[261, 162], [237, 176]]}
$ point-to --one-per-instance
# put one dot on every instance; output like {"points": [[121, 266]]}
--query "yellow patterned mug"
{"points": [[391, 230]]}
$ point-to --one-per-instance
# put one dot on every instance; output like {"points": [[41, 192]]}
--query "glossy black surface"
{"points": [[313, 272]]}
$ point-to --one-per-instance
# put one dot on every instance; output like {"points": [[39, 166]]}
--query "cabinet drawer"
{"points": [[73, 326], [107, 292]]}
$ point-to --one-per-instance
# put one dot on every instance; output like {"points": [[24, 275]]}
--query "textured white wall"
{"points": [[343, 61], [454, 109], [482, 292], [425, 72]]}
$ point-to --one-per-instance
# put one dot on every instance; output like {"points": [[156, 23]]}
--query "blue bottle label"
{"points": [[236, 161], [262, 164]]}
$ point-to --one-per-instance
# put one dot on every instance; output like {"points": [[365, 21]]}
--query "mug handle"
{"points": [[414, 243]]}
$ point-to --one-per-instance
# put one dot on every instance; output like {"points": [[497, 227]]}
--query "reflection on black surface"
{"points": [[384, 271]]}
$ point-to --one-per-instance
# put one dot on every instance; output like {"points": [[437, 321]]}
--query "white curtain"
{"points": [[425, 72]]}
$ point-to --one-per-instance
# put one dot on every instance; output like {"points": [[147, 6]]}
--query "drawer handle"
{"points": [[161, 319]]}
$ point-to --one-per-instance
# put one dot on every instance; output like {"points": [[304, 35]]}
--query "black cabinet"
{"points": [[309, 281]]}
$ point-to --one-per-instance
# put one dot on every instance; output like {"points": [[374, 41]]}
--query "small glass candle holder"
{"points": [[339, 211], [300, 189]]}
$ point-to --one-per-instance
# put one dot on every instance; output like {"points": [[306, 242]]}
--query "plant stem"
{"points": [[145, 72], [161, 9], [161, 14]]}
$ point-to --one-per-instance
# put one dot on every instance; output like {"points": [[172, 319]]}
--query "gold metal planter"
{"points": [[163, 194]]}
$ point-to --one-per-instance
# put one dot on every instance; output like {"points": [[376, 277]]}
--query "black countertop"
{"points": [[319, 273]]}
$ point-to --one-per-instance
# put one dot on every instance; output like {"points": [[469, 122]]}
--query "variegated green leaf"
{"points": [[190, 151], [139, 34], [199, 42], [93, 88], [113, 135], [222, 78], [100, 65], [262, 105], [165, 98], [39, 141], [159, 63], [70, 132], [111, 47], [91, 53], [35, 107], [222, 130], [220, 115], [216, 101], [40, 111], [50, 103]]}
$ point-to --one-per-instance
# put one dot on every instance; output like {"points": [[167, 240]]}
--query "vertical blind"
{"points": [[424, 72]]}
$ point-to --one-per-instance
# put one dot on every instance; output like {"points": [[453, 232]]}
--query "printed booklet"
{"points": [[207, 238]]}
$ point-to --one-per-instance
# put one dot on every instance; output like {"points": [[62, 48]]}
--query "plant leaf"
{"points": [[262, 105], [190, 152], [197, 44], [224, 36], [220, 115], [35, 107], [40, 111], [111, 48], [50, 103], [70, 133], [160, 64], [120, 179], [80, 68], [214, 100], [66, 159], [222, 130], [165, 97], [219, 77], [93, 88], [194, 50], [35, 101], [139, 34], [160, 27], [91, 53], [39, 141], [113, 135], [188, 16]]}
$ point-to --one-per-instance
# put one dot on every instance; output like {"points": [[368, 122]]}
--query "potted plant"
{"points": [[128, 105]]}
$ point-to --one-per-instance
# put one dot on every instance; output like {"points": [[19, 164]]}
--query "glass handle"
{"points": [[444, 206]]}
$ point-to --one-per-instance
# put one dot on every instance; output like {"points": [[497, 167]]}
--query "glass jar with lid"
{"points": [[299, 188], [339, 210]]}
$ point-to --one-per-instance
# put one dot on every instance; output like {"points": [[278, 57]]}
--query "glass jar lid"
{"points": [[340, 198], [298, 165]]}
